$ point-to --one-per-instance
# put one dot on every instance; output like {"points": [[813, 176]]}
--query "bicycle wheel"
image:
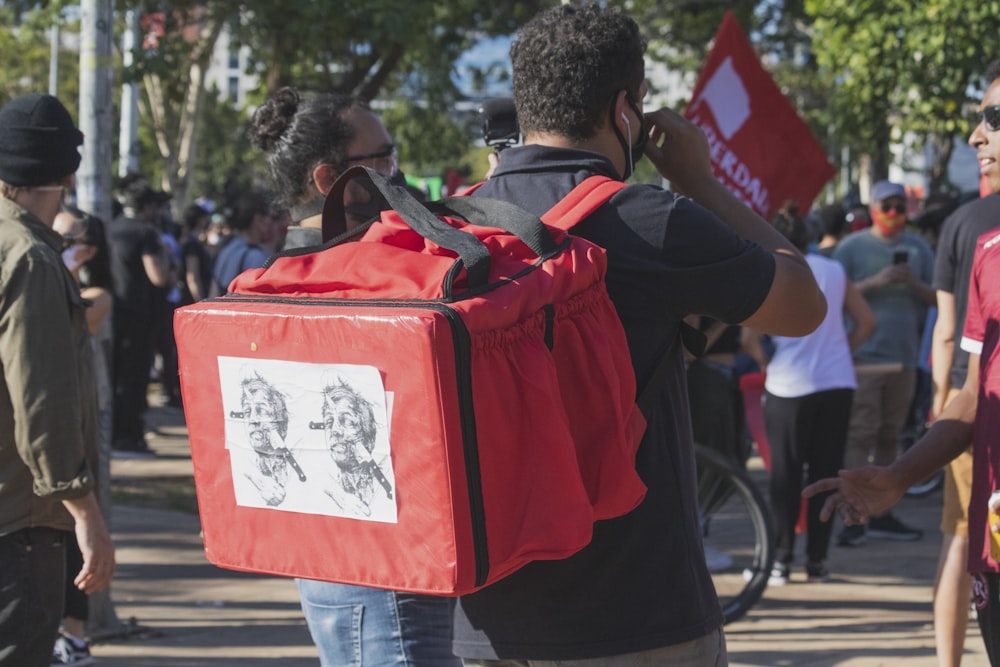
{"points": [[736, 530]]}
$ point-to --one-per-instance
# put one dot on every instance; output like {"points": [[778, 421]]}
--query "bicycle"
{"points": [[737, 532]]}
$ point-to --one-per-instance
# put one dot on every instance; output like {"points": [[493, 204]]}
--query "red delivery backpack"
{"points": [[425, 409]]}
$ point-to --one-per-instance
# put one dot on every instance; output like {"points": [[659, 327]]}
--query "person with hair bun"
{"points": [[309, 142]]}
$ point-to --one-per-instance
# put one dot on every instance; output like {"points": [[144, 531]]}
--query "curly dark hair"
{"points": [[568, 62], [298, 133]]}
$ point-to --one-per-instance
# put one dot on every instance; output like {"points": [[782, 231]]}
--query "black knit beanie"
{"points": [[38, 141]]}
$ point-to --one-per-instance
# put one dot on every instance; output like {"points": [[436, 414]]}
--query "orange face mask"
{"points": [[888, 223]]}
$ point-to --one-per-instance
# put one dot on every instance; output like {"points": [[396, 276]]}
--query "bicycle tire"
{"points": [[736, 523]]}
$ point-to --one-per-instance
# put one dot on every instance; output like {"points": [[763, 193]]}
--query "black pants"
{"points": [[32, 581], [806, 433], [717, 419], [77, 604], [134, 343]]}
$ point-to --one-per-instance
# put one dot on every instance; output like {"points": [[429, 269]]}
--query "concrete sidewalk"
{"points": [[188, 613]]}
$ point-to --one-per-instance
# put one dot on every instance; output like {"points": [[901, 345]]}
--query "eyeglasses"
{"points": [[991, 117], [384, 161], [898, 207]]}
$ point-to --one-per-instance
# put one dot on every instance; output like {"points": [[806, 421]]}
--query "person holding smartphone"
{"points": [[892, 269]]}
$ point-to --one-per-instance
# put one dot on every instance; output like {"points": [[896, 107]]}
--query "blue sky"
{"points": [[486, 52]]}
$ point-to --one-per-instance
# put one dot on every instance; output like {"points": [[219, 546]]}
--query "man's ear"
{"points": [[622, 109], [324, 175]]}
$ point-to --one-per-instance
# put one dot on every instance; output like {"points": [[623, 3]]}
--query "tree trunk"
{"points": [[190, 119], [176, 133]]}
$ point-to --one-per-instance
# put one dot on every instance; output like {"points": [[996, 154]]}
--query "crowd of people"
{"points": [[833, 306]]}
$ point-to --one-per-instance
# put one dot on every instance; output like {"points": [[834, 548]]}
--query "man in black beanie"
{"points": [[47, 408]]}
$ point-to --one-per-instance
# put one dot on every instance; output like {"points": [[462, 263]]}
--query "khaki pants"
{"points": [[881, 403]]}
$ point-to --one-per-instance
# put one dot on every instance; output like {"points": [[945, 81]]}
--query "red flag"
{"points": [[761, 150]]}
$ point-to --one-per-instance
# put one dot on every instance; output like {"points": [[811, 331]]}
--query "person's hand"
{"points": [[678, 149], [901, 273], [938, 400], [857, 493], [893, 273], [494, 159], [98, 554]]}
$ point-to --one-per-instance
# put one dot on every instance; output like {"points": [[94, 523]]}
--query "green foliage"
{"points": [[900, 66], [373, 48], [680, 32], [224, 149], [429, 140], [25, 45]]}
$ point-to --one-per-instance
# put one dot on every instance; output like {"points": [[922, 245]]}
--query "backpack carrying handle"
{"points": [[470, 249], [511, 218]]}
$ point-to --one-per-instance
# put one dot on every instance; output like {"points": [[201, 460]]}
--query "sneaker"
{"points": [[816, 572], [779, 575], [888, 527], [71, 651], [852, 536]]}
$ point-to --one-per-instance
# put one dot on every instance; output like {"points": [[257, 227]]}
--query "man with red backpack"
{"points": [[640, 592]]}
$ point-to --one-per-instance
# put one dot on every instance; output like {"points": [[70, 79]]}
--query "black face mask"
{"points": [[634, 152], [366, 211], [377, 203]]}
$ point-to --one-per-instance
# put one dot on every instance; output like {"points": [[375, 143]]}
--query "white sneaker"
{"points": [[71, 651]]}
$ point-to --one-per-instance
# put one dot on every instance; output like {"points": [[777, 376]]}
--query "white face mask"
{"points": [[69, 258]]}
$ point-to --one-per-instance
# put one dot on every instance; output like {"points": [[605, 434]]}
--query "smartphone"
{"points": [[900, 257]]}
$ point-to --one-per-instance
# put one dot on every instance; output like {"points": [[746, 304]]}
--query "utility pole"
{"points": [[93, 180], [54, 59], [128, 132], [93, 194]]}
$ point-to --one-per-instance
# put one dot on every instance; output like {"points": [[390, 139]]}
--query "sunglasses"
{"points": [[991, 117], [893, 206]]}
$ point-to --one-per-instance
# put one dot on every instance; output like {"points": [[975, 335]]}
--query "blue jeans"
{"points": [[32, 572], [355, 626]]}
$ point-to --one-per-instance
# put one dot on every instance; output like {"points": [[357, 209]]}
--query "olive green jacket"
{"points": [[47, 390]]}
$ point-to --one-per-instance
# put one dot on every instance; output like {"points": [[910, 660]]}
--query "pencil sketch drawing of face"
{"points": [[265, 415], [350, 431]]}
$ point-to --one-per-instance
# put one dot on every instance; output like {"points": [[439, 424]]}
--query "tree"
{"points": [[25, 45], [172, 66], [371, 49], [902, 67]]}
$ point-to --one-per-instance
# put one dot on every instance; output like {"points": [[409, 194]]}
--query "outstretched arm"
{"points": [[862, 492]]}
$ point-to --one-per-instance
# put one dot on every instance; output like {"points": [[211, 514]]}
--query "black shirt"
{"points": [[130, 239], [642, 583], [953, 265]]}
